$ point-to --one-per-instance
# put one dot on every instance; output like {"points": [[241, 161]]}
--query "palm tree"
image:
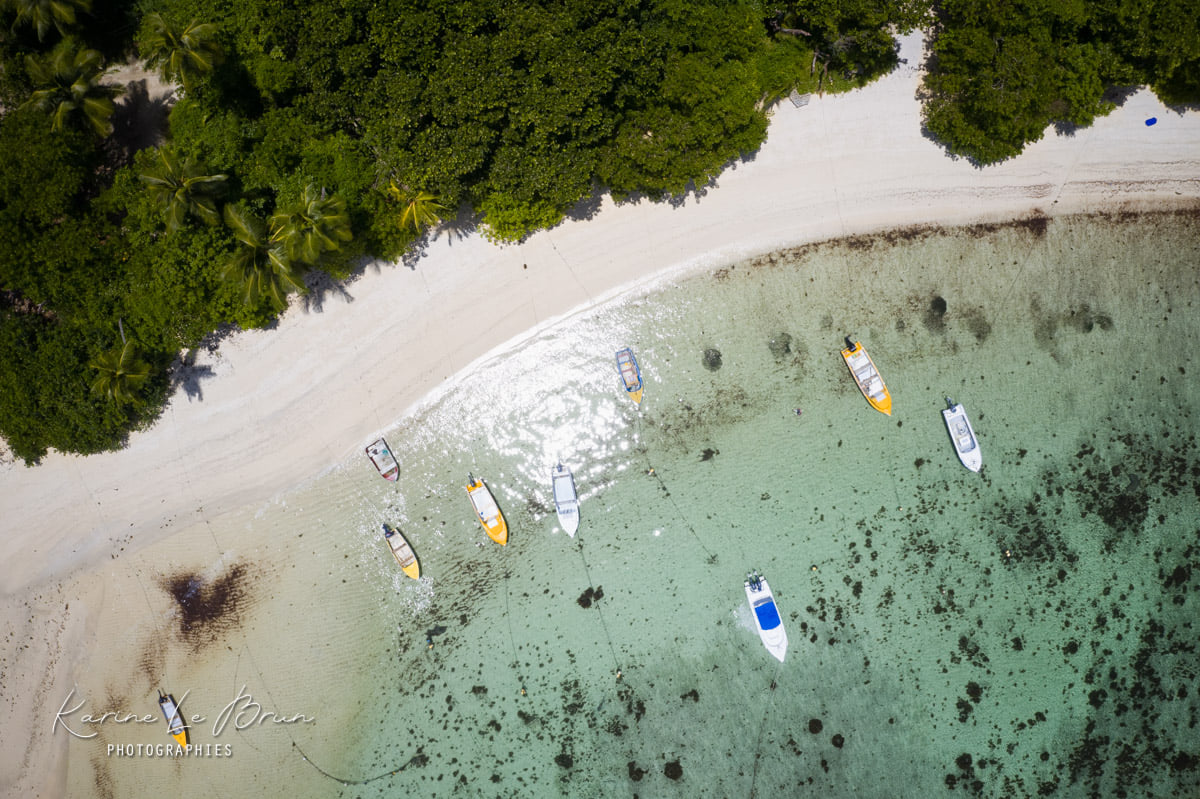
{"points": [[41, 14], [420, 208], [183, 187], [312, 226], [121, 373], [262, 267], [180, 54], [68, 81]]}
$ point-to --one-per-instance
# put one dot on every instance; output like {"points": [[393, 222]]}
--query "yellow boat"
{"points": [[862, 368], [402, 551], [631, 374], [487, 511], [175, 725]]}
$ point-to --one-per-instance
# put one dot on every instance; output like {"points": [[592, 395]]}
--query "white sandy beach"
{"points": [[280, 407]]}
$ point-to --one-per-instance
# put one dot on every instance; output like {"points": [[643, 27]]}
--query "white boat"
{"points": [[963, 435], [381, 455], [766, 615], [402, 551], [566, 498], [170, 710]]}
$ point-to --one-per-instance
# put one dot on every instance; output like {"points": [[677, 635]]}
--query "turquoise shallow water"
{"points": [[1024, 631]]}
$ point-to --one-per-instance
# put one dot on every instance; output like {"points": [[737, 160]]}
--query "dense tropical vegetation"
{"points": [[304, 137]]}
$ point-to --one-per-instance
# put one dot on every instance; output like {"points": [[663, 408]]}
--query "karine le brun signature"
{"points": [[243, 712]]}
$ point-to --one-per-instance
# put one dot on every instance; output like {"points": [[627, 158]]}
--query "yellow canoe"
{"points": [[631, 374], [863, 370], [487, 511], [175, 725], [402, 551]]}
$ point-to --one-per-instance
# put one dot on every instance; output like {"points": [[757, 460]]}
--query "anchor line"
{"points": [[511, 637], [611, 647], [625, 693], [712, 557], [762, 724], [146, 594], [296, 746], [263, 681]]}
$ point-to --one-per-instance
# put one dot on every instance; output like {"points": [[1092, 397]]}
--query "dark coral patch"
{"points": [[935, 315], [589, 596], [780, 345], [208, 608]]}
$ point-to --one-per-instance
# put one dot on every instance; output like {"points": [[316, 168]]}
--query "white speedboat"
{"points": [[766, 615], [963, 435], [566, 499]]}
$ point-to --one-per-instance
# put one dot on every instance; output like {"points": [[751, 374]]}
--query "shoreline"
{"points": [[278, 408], [332, 368]]}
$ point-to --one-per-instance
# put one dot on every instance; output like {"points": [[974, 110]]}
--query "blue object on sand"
{"points": [[1151, 121]]}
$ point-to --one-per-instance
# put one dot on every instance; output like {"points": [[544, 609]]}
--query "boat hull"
{"points": [[766, 618], [385, 462], [569, 522], [962, 435], [402, 551], [631, 374], [566, 499], [175, 726], [488, 512], [867, 378]]}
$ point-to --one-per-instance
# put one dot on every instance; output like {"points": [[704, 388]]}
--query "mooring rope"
{"points": [[762, 724], [650, 471], [146, 594], [611, 647], [512, 637], [626, 691], [296, 746], [262, 679]]}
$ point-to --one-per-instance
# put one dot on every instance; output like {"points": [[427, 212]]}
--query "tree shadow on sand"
{"points": [[462, 225], [187, 375], [321, 285], [139, 122]]}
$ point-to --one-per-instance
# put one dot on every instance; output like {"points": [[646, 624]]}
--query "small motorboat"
{"points": [[766, 615], [402, 551], [631, 374], [963, 435], [566, 498], [381, 455], [867, 376], [487, 511], [175, 725]]}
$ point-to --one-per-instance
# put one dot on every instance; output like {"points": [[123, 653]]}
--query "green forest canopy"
{"points": [[306, 136]]}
